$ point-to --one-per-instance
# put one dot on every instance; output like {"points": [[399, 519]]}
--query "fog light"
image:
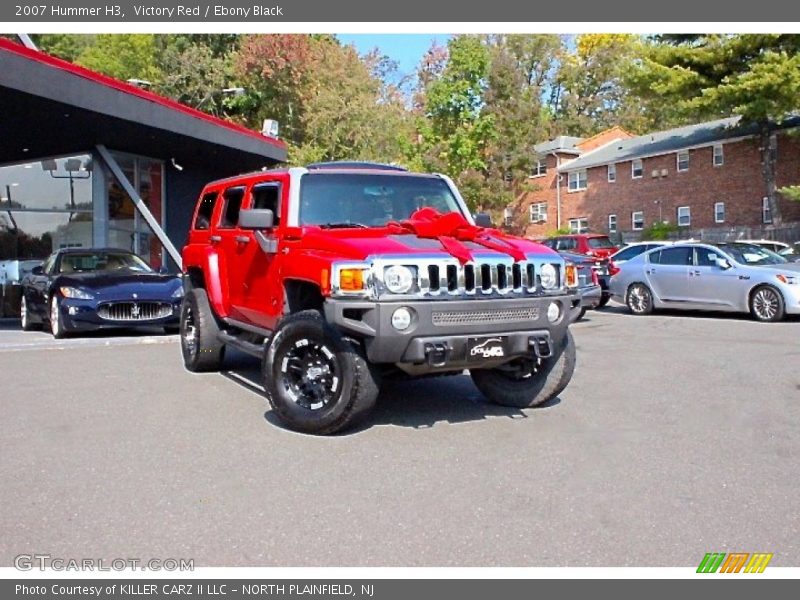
{"points": [[553, 312], [401, 319], [73, 310]]}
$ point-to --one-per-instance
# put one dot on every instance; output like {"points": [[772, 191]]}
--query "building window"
{"points": [[719, 156], [538, 212], [683, 160], [637, 169], [540, 169], [766, 211], [637, 220], [612, 223], [578, 181], [719, 212], [508, 217], [684, 216], [579, 225], [612, 173]]}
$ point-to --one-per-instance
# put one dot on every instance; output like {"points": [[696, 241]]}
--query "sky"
{"points": [[406, 49]]}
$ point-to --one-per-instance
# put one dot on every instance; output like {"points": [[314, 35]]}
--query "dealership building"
{"points": [[90, 161]]}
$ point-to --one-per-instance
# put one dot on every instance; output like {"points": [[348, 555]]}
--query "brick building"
{"points": [[705, 178]]}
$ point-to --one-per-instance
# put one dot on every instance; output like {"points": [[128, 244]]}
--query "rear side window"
{"points": [[599, 242], [567, 244], [672, 256], [268, 196], [230, 210], [206, 209]]}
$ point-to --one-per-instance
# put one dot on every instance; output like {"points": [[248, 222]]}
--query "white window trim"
{"points": [[678, 161], [577, 189], [616, 223], [678, 216], [633, 169], [633, 220], [714, 155], [578, 220], [766, 208], [612, 168], [536, 172], [543, 216], [716, 218]]}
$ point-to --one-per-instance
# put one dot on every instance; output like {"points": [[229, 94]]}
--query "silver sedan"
{"points": [[731, 277]]}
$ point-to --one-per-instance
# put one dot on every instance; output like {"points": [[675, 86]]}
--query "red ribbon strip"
{"points": [[451, 229]]}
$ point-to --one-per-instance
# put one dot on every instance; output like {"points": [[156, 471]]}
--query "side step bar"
{"points": [[256, 350]]}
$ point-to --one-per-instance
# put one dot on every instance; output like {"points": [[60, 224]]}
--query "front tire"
{"points": [[25, 316], [316, 381], [766, 304], [56, 320], [529, 382], [200, 345], [639, 299]]}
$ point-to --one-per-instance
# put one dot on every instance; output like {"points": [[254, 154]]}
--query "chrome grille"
{"points": [[134, 311], [486, 276], [469, 317]]}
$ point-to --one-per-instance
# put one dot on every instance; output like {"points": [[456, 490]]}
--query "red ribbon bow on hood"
{"points": [[451, 229]]}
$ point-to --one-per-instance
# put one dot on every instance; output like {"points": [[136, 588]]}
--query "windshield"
{"points": [[599, 242], [102, 261], [369, 200], [750, 254]]}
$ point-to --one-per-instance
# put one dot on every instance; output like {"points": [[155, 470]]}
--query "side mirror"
{"points": [[723, 263], [482, 220], [37, 270], [256, 218]]}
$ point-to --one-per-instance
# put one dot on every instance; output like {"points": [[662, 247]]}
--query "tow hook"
{"points": [[436, 353], [541, 346]]}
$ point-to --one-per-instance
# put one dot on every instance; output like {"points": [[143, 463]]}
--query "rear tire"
{"points": [[317, 382], [639, 299], [766, 304], [200, 346], [25, 316], [526, 387]]}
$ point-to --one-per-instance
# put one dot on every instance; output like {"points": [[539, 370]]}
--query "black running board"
{"points": [[256, 350]]}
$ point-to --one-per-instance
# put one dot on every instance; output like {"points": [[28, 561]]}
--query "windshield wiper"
{"points": [[343, 224]]}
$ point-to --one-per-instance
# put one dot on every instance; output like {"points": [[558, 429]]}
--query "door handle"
{"points": [[242, 239], [695, 273], [650, 271], [215, 238]]}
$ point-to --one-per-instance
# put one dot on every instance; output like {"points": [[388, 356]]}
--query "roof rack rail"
{"points": [[354, 164]]}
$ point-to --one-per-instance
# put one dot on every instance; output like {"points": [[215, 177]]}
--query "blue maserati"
{"points": [[80, 289]]}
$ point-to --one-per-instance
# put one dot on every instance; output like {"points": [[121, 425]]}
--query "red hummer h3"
{"points": [[341, 275]]}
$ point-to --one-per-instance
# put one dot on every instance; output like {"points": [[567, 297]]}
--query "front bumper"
{"points": [[82, 315], [791, 298], [441, 330]]}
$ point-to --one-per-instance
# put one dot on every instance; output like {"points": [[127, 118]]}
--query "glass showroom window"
{"points": [[718, 156], [683, 160], [612, 223], [127, 228], [612, 173], [719, 212], [637, 169], [45, 205], [578, 180]]}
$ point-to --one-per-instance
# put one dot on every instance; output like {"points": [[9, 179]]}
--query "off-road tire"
{"points": [[639, 299], [200, 345], [550, 378], [341, 374], [581, 314], [766, 304]]}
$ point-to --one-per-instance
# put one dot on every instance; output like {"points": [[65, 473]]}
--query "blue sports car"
{"points": [[85, 289]]}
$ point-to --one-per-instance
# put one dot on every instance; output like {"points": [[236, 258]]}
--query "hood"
{"points": [[790, 267], [358, 244], [121, 283]]}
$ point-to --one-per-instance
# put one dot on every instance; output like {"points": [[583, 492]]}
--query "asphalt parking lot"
{"points": [[679, 435]]}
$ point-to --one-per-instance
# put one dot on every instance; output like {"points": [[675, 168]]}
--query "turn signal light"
{"points": [[572, 276], [351, 280]]}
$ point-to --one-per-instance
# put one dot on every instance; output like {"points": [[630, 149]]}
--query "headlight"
{"points": [[398, 279], [789, 279], [178, 293], [548, 277], [72, 292]]}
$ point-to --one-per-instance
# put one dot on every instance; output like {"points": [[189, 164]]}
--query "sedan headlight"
{"points": [[178, 293], [398, 279], [73, 292], [789, 279], [548, 277]]}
